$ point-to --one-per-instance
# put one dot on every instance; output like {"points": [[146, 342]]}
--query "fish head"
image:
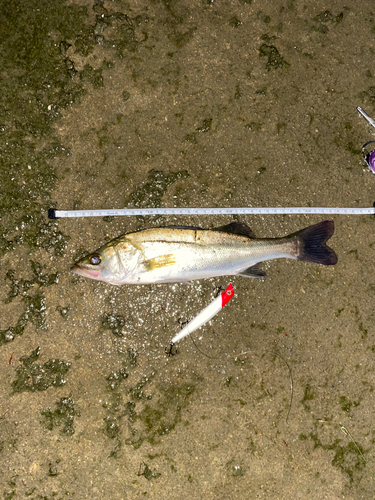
{"points": [[111, 263]]}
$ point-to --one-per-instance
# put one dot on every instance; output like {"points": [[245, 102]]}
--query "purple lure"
{"points": [[369, 156], [370, 160]]}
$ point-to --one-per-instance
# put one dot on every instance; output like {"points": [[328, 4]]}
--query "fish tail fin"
{"points": [[311, 243]]}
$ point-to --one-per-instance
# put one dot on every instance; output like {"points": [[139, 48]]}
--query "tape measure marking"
{"points": [[56, 214]]}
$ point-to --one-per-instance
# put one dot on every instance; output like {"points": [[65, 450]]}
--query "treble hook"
{"points": [[169, 350]]}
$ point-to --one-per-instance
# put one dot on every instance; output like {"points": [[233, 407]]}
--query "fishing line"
{"points": [[58, 214], [291, 384], [348, 434], [274, 353], [204, 354]]}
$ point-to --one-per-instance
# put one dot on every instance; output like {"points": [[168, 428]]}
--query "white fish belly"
{"points": [[161, 262]]}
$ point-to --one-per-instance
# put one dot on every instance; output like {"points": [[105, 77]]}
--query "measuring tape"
{"points": [[56, 214]]}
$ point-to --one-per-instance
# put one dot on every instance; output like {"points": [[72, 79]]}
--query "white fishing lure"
{"points": [[207, 313]]}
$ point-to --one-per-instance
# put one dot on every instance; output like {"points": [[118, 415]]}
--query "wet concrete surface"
{"points": [[189, 104]]}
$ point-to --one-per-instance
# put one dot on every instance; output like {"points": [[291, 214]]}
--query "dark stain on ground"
{"points": [[153, 190]]}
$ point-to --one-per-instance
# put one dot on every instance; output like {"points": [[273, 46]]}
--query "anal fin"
{"points": [[253, 272]]}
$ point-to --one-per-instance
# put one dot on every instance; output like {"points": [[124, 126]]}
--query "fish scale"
{"points": [[182, 254]]}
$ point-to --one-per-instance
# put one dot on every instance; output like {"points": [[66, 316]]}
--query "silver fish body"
{"points": [[179, 254]]}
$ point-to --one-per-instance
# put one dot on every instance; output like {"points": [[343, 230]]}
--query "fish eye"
{"points": [[95, 259]]}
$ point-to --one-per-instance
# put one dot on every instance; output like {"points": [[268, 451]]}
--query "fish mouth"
{"points": [[83, 271]]}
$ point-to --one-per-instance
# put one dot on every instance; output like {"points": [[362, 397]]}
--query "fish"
{"points": [[181, 254]]}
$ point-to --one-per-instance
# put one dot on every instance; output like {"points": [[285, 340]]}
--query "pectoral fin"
{"points": [[161, 261], [253, 272]]}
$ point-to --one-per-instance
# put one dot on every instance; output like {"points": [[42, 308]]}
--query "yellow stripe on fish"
{"points": [[158, 262]]}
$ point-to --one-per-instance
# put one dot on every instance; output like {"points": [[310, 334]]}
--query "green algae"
{"points": [[136, 392], [129, 411], [8, 334], [206, 125], [116, 411], [153, 190], [93, 76], [180, 39], [112, 428], [254, 126], [14, 289], [31, 376], [125, 36], [308, 395], [274, 59], [114, 322], [115, 378], [126, 39], [325, 17], [234, 22], [160, 415], [348, 459], [261, 326], [192, 137], [346, 404], [131, 361], [34, 311], [237, 471], [36, 86], [34, 304], [148, 418], [63, 416], [21, 286], [64, 311], [145, 471]]}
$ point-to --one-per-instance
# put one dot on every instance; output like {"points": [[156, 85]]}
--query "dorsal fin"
{"points": [[236, 228]]}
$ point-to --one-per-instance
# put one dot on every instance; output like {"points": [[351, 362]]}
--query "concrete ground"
{"points": [[190, 104]]}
